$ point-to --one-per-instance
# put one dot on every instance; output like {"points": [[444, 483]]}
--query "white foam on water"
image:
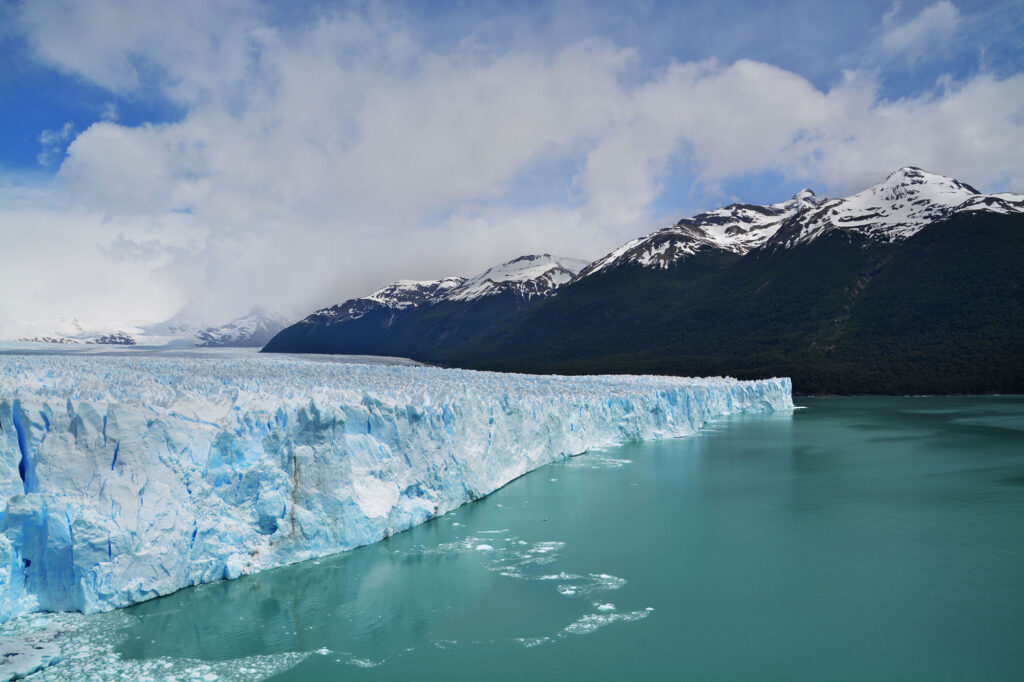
{"points": [[560, 576], [363, 662], [530, 642], [593, 582], [593, 621]]}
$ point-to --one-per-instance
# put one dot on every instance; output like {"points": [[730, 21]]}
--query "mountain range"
{"points": [[252, 330], [913, 285], [427, 316]]}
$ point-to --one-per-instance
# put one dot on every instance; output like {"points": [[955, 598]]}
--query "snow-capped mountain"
{"points": [[443, 311], [193, 327], [118, 338], [185, 329], [398, 295], [253, 329], [527, 276], [50, 339], [115, 339], [182, 325], [910, 286], [736, 228], [894, 209], [409, 293], [70, 331]]}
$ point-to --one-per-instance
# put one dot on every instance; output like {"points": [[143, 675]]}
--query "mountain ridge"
{"points": [[501, 289], [784, 289], [251, 330], [254, 329]]}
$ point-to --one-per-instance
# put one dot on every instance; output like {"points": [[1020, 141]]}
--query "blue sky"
{"points": [[219, 155]]}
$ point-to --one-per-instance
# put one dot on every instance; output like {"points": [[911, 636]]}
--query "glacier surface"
{"points": [[127, 478]]}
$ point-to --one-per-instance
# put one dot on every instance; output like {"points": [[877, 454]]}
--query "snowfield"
{"points": [[127, 478]]}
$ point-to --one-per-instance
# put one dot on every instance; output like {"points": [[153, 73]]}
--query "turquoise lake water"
{"points": [[859, 538]]}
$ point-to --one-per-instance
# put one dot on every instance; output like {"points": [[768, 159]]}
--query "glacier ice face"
{"points": [[126, 478]]}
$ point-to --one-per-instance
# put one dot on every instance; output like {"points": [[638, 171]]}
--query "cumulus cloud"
{"points": [[194, 47], [55, 265], [973, 130], [928, 30], [321, 160], [726, 119], [53, 143]]}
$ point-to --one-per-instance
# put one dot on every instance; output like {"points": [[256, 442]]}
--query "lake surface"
{"points": [[859, 538]]}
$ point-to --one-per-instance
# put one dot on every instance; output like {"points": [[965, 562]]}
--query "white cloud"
{"points": [[972, 130], [191, 45], [53, 142], [728, 120], [54, 265], [928, 31], [148, 169], [320, 161], [464, 128]]}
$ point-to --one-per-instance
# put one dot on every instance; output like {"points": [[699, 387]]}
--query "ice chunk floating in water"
{"points": [[126, 478]]}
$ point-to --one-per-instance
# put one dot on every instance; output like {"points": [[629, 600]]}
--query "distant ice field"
{"points": [[98, 350]]}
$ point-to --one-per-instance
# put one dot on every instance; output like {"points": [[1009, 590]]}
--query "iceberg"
{"points": [[127, 478]]}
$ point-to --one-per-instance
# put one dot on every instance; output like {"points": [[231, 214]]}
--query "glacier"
{"points": [[123, 478]]}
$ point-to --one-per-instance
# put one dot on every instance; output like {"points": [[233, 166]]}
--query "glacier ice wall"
{"points": [[126, 478]]}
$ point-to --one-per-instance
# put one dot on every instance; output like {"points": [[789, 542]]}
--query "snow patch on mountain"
{"points": [[115, 339], [736, 228], [182, 325], [528, 276], [68, 331], [410, 293], [253, 329], [895, 209], [62, 340], [995, 203], [395, 296]]}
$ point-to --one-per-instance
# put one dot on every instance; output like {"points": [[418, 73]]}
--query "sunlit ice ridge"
{"points": [[127, 478]]}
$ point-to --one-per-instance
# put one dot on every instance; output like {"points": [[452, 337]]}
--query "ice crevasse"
{"points": [[125, 478]]}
